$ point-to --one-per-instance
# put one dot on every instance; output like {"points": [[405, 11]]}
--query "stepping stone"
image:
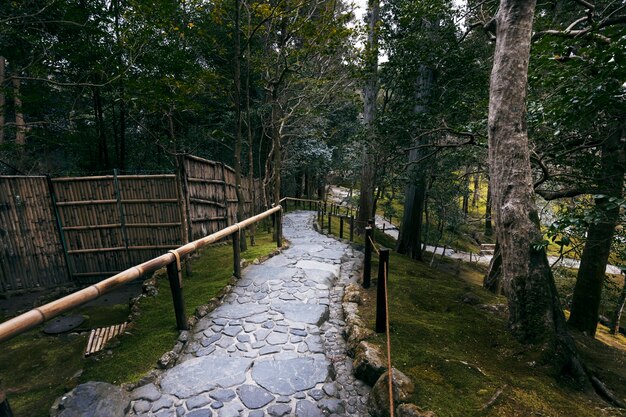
{"points": [[239, 311], [304, 313], [311, 265], [306, 408], [254, 397], [286, 377], [203, 374]]}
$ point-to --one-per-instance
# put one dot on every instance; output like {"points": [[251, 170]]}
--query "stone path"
{"points": [[275, 346]]}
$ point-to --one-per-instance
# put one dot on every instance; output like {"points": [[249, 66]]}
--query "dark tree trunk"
{"points": [[238, 145], [103, 152], [493, 278], [488, 225], [410, 238], [476, 193], [253, 191], [2, 97], [590, 279], [20, 124], [535, 314], [370, 92], [617, 314]]}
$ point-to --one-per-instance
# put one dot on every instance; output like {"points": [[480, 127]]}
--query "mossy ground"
{"points": [[459, 355], [36, 368]]}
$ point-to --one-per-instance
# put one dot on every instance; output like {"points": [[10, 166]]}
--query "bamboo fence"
{"points": [[84, 229]]}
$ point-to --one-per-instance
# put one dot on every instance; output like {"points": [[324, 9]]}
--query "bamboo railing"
{"points": [[36, 316]]}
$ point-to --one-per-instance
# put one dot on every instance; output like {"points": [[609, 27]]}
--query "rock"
{"points": [[146, 392], [306, 408], [279, 410], [202, 374], [352, 294], [471, 299], [356, 335], [254, 397], [223, 395], [302, 313], [202, 311], [411, 410], [287, 376], [197, 402], [369, 363], [378, 402], [167, 360], [332, 406], [92, 399], [330, 389]]}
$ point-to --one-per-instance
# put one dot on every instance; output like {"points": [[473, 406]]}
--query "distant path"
{"points": [[392, 231], [275, 346]]}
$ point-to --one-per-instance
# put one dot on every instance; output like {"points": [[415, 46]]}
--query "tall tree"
{"points": [[535, 316], [370, 93]]}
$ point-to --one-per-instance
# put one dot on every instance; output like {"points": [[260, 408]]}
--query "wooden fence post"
{"points": [[175, 278], [341, 227], [237, 254], [381, 293], [278, 228], [367, 260], [59, 226], [351, 228], [330, 222]]}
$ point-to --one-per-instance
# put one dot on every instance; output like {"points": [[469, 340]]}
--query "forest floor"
{"points": [[37, 368], [451, 337]]}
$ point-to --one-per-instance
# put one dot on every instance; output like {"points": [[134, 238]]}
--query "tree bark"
{"points": [[535, 314], [617, 314], [238, 146], [595, 256], [488, 225], [2, 97], [103, 153], [250, 136], [20, 125], [493, 278], [370, 92]]}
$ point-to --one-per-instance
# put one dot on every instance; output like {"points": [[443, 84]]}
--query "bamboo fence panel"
{"points": [[31, 255]]}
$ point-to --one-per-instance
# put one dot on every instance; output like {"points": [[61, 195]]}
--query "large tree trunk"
{"points": [[535, 316], [590, 279], [103, 153], [410, 238], [488, 225], [237, 98], [2, 97], [493, 278], [370, 91], [20, 125], [250, 138]]}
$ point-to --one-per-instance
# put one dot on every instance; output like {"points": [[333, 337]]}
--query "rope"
{"points": [[374, 246], [389, 374]]}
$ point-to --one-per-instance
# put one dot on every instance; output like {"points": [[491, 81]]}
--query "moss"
{"points": [[460, 355], [36, 369]]}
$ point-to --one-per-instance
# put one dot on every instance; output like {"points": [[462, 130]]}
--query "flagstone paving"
{"points": [[275, 346]]}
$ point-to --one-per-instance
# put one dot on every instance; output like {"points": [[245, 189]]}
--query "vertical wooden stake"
{"points": [[329, 223], [381, 294], [351, 228], [325, 205], [237, 254], [175, 278], [367, 260], [341, 227], [279, 229], [310, 205]]}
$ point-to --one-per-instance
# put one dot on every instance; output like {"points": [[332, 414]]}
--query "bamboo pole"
{"points": [[34, 317]]}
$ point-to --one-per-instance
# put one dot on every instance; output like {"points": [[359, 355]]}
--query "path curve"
{"points": [[275, 346]]}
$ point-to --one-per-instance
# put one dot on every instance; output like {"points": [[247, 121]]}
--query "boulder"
{"points": [[378, 401], [357, 334], [411, 410], [167, 360], [92, 399], [369, 363], [352, 294]]}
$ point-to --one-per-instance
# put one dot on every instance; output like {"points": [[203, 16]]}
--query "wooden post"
{"points": [[330, 222], [237, 254], [310, 205], [341, 227], [57, 221], [381, 293], [351, 228], [383, 227], [176, 285], [367, 260], [187, 224], [321, 221], [325, 205], [279, 228]]}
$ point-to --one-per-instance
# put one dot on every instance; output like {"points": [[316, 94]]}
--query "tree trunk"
{"points": [[410, 238], [488, 226], [237, 98], [250, 137], [2, 97], [103, 153], [535, 314], [493, 278], [20, 125], [476, 194], [617, 314], [590, 279], [370, 91]]}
